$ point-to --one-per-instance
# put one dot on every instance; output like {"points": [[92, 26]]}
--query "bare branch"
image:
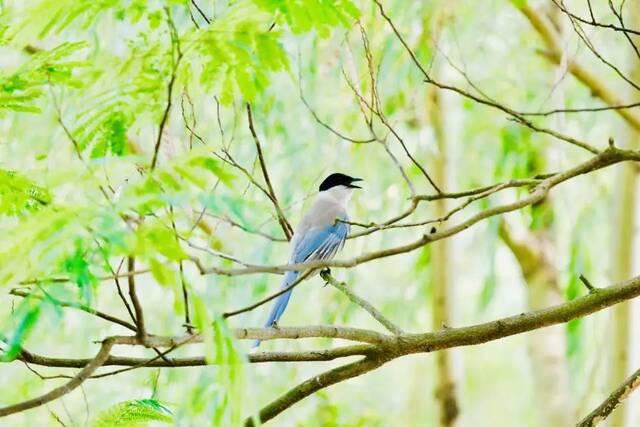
{"points": [[56, 393], [141, 332], [269, 298], [608, 157], [204, 16], [593, 22], [314, 384], [82, 307], [175, 45], [183, 362], [286, 227], [517, 117], [612, 401], [368, 307], [595, 85]]}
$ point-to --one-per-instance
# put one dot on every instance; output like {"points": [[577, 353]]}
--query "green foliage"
{"points": [[24, 320], [237, 54], [578, 264], [306, 15], [22, 90], [225, 395], [521, 155], [19, 195], [132, 413]]}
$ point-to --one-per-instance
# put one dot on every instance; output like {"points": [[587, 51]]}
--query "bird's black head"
{"points": [[336, 179]]}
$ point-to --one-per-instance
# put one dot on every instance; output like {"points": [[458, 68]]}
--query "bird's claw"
{"points": [[274, 325], [325, 273]]}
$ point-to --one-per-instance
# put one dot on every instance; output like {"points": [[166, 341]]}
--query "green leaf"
{"points": [[134, 413], [24, 319], [155, 237], [163, 274]]}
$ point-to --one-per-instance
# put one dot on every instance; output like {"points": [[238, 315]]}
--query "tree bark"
{"points": [[547, 347], [623, 233], [621, 262], [440, 262]]}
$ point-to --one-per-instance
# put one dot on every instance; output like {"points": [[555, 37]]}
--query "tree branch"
{"points": [[517, 117], [314, 384], [554, 54], [612, 401], [56, 393], [342, 287], [608, 157], [175, 44], [286, 227], [261, 357], [81, 307], [141, 332]]}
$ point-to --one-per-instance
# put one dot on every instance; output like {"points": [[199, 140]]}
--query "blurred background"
{"points": [[502, 266]]}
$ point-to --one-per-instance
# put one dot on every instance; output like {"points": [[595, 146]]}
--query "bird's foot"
{"points": [[325, 273], [274, 325]]}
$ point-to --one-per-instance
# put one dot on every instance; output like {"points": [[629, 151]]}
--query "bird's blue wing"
{"points": [[320, 243]]}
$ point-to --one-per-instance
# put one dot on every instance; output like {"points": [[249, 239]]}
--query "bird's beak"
{"points": [[352, 185]]}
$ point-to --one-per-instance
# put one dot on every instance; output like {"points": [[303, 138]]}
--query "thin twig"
{"points": [[268, 298]]}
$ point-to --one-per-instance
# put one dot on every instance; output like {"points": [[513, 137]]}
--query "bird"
{"points": [[319, 236]]}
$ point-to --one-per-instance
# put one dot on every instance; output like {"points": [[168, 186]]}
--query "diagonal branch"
{"points": [[175, 44], [516, 116], [608, 157], [75, 382], [81, 307], [598, 88], [141, 331], [286, 227], [612, 401], [314, 384], [374, 312]]}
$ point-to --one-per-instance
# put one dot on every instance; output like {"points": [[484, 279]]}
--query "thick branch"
{"points": [[262, 357]]}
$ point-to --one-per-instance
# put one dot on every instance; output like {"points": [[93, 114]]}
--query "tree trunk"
{"points": [[440, 262], [547, 347], [624, 211], [621, 262]]}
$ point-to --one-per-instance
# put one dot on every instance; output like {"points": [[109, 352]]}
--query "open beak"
{"points": [[352, 185]]}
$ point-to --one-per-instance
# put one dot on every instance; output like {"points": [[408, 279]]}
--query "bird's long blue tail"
{"points": [[281, 302]]}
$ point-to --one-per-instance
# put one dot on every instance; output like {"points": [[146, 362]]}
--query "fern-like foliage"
{"points": [[134, 413], [24, 89]]}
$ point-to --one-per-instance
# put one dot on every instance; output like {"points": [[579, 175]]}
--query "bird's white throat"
{"points": [[339, 194]]}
